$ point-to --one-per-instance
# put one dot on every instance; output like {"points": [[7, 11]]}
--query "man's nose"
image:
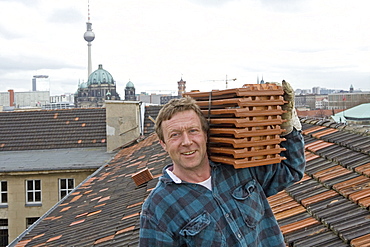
{"points": [[186, 140]]}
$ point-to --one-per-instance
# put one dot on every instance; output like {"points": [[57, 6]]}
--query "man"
{"points": [[199, 203]]}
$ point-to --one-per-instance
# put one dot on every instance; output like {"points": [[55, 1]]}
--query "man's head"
{"points": [[175, 106], [183, 133]]}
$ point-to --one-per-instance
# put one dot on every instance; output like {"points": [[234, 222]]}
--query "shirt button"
{"points": [[227, 215], [239, 236]]}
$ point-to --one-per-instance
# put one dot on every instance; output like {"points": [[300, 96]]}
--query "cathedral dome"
{"points": [[130, 84], [100, 76]]}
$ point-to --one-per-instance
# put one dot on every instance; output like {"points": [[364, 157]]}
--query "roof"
{"points": [[105, 208], [360, 112], [53, 140], [52, 129], [54, 159], [100, 76], [130, 84], [328, 207]]}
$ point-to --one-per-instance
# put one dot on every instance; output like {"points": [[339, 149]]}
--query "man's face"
{"points": [[186, 143]]}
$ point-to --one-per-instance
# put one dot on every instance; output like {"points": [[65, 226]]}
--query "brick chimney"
{"points": [[11, 97]]}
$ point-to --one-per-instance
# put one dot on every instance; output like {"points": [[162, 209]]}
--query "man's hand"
{"points": [[292, 120]]}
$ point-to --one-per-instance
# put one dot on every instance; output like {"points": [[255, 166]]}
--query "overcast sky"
{"points": [[154, 43]]}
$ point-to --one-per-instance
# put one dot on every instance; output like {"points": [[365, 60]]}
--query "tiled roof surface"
{"points": [[328, 207], [52, 129], [151, 113]]}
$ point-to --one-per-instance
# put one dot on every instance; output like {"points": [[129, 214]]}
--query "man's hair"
{"points": [[179, 105]]}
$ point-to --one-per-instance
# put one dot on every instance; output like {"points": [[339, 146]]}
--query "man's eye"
{"points": [[174, 135]]}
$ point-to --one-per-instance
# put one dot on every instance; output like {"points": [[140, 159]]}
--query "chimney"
{"points": [[11, 97], [123, 121]]}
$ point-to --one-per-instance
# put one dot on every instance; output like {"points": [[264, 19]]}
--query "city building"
{"points": [[345, 100], [68, 97], [59, 105], [40, 83], [181, 85], [99, 87], [130, 91], [31, 99], [44, 155], [358, 115]]}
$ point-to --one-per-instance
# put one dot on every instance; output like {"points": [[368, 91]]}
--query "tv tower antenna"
{"points": [[89, 36]]}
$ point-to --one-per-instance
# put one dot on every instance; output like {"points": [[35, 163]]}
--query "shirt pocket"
{"points": [[202, 231], [249, 203]]}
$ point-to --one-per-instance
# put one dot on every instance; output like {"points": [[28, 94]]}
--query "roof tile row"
{"points": [[70, 128]]}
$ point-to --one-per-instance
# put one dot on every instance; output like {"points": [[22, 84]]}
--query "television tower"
{"points": [[89, 36]]}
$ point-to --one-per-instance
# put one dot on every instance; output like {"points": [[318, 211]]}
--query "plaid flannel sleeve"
{"points": [[277, 177]]}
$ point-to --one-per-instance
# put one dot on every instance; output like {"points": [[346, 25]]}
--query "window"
{"points": [[33, 191], [4, 238], [30, 221], [3, 192], [66, 185]]}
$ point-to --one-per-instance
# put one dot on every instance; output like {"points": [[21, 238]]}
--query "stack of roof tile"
{"points": [[244, 124]]}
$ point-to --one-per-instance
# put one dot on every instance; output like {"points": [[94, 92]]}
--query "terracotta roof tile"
{"points": [[53, 238], [101, 240], [318, 197], [363, 241], [77, 222]]}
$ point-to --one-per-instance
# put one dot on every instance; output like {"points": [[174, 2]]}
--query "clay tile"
{"points": [[93, 213], [125, 230], [54, 238], [102, 240], [65, 209], [104, 199], [131, 215], [142, 176], [77, 222]]}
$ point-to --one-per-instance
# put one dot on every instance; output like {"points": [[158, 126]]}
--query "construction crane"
{"points": [[226, 80]]}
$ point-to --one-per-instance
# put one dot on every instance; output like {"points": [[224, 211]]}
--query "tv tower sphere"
{"points": [[89, 34]]}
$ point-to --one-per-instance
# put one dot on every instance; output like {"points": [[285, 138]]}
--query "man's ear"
{"points": [[163, 145]]}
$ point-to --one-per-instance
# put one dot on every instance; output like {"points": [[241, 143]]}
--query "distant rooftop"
{"points": [[54, 159]]}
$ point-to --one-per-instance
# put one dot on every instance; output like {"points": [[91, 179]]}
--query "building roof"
{"points": [[54, 159], [70, 139], [328, 207], [129, 84], [360, 112], [52, 129], [100, 76]]}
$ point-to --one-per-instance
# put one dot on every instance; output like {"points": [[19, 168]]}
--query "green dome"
{"points": [[100, 76], [130, 84], [82, 85]]}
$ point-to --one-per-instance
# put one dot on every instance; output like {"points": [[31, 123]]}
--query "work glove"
{"points": [[291, 117]]}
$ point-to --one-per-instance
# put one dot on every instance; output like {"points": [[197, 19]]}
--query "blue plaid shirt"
{"points": [[236, 211]]}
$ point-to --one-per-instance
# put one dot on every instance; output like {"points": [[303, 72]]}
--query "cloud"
{"points": [[212, 2], [66, 16], [8, 34], [29, 63], [285, 5]]}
